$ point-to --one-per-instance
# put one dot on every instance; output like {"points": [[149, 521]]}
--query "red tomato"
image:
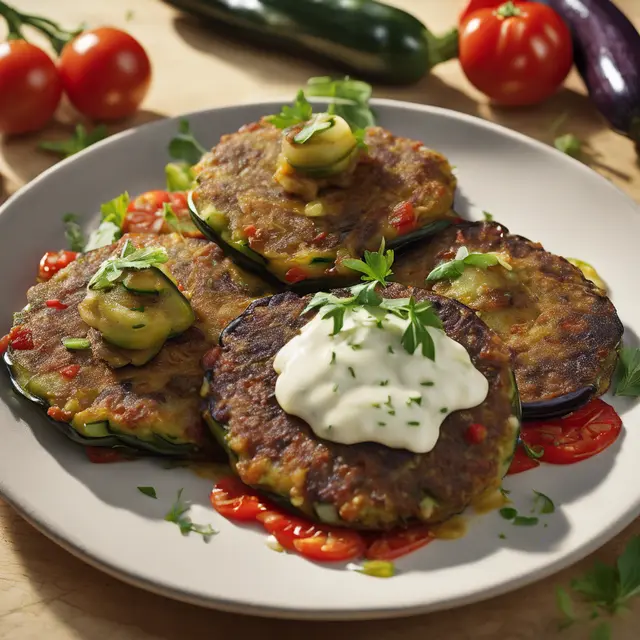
{"points": [[286, 528], [577, 436], [403, 218], [20, 339], [59, 414], [295, 274], [53, 261], [474, 5], [56, 304], [250, 230], [100, 455], [517, 54], [4, 343], [388, 546], [106, 73], [145, 214], [70, 372], [231, 498], [521, 462], [30, 85]]}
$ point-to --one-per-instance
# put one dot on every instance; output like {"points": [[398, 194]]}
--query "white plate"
{"points": [[96, 512]]}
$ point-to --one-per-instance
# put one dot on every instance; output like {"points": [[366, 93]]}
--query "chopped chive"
{"points": [[524, 521], [384, 383], [417, 401], [502, 536], [333, 357], [355, 347], [508, 513], [76, 344], [335, 388], [413, 423], [427, 383], [388, 402], [138, 326], [379, 324], [148, 491], [390, 349], [352, 372], [382, 424], [391, 413], [444, 410], [376, 405], [330, 427], [140, 309]]}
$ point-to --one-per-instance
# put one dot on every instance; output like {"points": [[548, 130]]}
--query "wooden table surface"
{"points": [[47, 593]]}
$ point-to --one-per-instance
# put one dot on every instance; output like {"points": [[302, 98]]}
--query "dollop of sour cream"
{"points": [[361, 385]]}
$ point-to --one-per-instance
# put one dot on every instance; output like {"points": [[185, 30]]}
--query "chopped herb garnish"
{"points": [[569, 144], [565, 605], [389, 402], [525, 521], [377, 568], [178, 515], [316, 125], [487, 216], [384, 383], [417, 401], [379, 324], [113, 215], [335, 388], [140, 309], [390, 349], [138, 326], [330, 427], [77, 142], [413, 423], [333, 357], [352, 372], [545, 503], [508, 513], [184, 146], [130, 258], [427, 383], [627, 374], [376, 405], [382, 424], [532, 452], [453, 269], [76, 344], [355, 347], [73, 232], [444, 410], [301, 111], [504, 492], [148, 491], [391, 412], [171, 218]]}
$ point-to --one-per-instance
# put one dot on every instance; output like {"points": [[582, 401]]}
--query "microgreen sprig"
{"points": [[453, 269], [300, 111]]}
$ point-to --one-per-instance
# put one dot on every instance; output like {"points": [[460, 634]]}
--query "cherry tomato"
{"points": [[106, 73], [58, 414], [474, 5], [518, 53], [521, 462], [30, 87], [231, 498], [577, 436], [53, 261], [295, 274], [100, 455], [403, 218], [145, 214], [70, 372], [388, 546], [21, 339]]}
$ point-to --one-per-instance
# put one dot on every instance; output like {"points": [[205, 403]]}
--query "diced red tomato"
{"points": [[295, 274], [320, 237], [250, 230], [53, 261], [59, 414], [476, 433], [392, 545], [56, 304], [70, 372], [403, 218], [20, 338], [145, 213], [231, 498], [333, 546], [521, 462], [286, 528], [580, 435], [4, 343], [102, 455]]}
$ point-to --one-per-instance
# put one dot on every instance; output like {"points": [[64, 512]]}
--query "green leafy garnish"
{"points": [[301, 111], [111, 269], [569, 144], [487, 216], [73, 232], [565, 606], [525, 521], [171, 218], [349, 99], [359, 135], [376, 266], [508, 513], [453, 269], [627, 374], [80, 140], [178, 515], [184, 146], [377, 568], [533, 453], [76, 344], [148, 491], [601, 632], [545, 502], [106, 234], [113, 214], [315, 126], [179, 176]]}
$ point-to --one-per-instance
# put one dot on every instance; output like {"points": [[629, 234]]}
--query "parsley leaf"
{"points": [[105, 234], [600, 586], [73, 232], [627, 374], [115, 210], [178, 515], [569, 144], [545, 502], [184, 146], [487, 216], [316, 125], [289, 115], [79, 141], [601, 632], [130, 258], [148, 491], [376, 265], [565, 606], [453, 269], [628, 566]]}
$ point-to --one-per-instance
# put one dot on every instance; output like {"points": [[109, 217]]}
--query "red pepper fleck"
{"points": [[476, 433], [60, 415], [295, 274], [70, 372], [403, 217], [250, 230], [4, 343], [320, 237], [56, 304], [20, 339], [180, 287]]}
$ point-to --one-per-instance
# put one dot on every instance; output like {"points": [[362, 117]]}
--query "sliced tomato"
{"points": [[332, 546], [285, 528], [388, 546], [578, 436], [21, 338], [403, 218], [231, 498], [101, 455], [53, 261], [521, 462]]}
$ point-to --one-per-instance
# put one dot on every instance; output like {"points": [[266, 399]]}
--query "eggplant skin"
{"points": [[564, 332], [366, 485], [236, 183], [152, 409]]}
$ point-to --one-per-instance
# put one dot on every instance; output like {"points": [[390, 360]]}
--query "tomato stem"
{"points": [[508, 10]]}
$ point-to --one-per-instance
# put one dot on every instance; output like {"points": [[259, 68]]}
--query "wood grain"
{"points": [[46, 593]]}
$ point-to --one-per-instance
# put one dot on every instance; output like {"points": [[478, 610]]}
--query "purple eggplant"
{"points": [[607, 55]]}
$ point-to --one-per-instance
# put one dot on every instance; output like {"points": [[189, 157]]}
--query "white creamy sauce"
{"points": [[361, 385]]}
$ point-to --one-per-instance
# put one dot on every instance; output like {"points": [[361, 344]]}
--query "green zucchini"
{"points": [[142, 281], [367, 38]]}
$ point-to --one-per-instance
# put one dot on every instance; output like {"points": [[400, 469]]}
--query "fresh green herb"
{"points": [[416, 335], [504, 492], [413, 423], [601, 632], [138, 326], [359, 135], [627, 375], [427, 383], [333, 357], [377, 568], [106, 234], [565, 606], [184, 146], [444, 410], [525, 521], [171, 218], [355, 347], [111, 269], [545, 502], [301, 111], [569, 144], [349, 99], [141, 309], [390, 349], [113, 214], [392, 412], [329, 427], [389, 402], [382, 424], [73, 232], [178, 515], [352, 372], [453, 269], [316, 125], [533, 453], [417, 401], [79, 140], [76, 344], [335, 388], [179, 176], [376, 405], [487, 216], [502, 536], [115, 210], [148, 491], [384, 383], [508, 513]]}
